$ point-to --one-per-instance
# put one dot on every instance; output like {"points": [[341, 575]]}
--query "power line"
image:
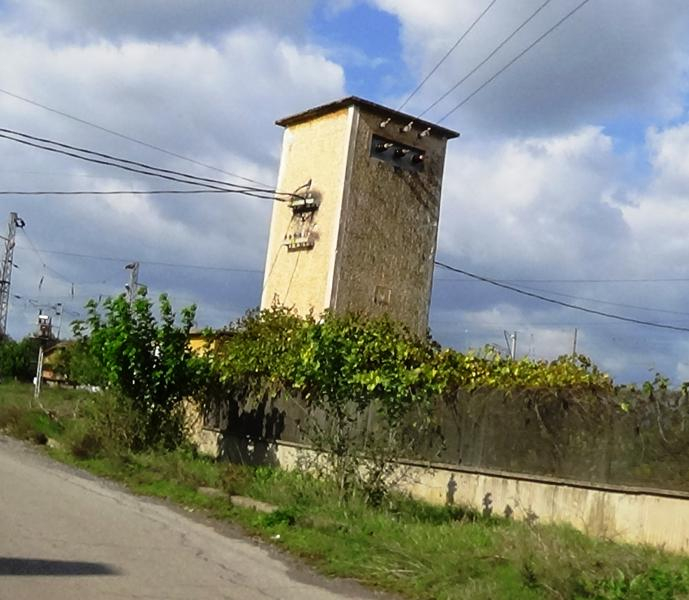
{"points": [[641, 280], [131, 169], [618, 304], [488, 57], [559, 302], [514, 60], [59, 275], [109, 157], [152, 262], [447, 55], [126, 192], [141, 164], [561, 325], [36, 302], [241, 270], [127, 137], [596, 300]]}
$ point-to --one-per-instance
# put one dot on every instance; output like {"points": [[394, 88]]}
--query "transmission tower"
{"points": [[6, 273], [133, 286]]}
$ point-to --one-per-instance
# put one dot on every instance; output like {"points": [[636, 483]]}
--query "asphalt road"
{"points": [[67, 535]]}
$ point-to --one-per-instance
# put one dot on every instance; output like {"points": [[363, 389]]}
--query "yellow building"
{"points": [[360, 233]]}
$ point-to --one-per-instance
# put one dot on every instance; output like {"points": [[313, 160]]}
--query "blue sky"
{"points": [[570, 177], [366, 41]]}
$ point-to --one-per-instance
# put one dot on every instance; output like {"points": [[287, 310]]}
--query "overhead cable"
{"points": [[125, 137], [559, 302], [124, 167], [43, 262], [596, 300], [618, 304], [125, 193], [151, 262], [640, 280], [514, 60], [149, 167], [487, 57], [447, 54]]}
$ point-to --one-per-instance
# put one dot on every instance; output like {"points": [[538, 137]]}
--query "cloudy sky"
{"points": [[570, 179]]}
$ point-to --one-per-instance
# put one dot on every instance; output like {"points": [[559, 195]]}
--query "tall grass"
{"points": [[413, 549]]}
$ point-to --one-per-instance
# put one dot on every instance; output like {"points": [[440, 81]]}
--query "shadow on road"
{"points": [[37, 566]]}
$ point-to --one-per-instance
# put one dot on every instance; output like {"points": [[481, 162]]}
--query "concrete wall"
{"points": [[638, 516], [317, 150]]}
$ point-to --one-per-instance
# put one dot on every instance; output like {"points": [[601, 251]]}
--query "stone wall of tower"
{"points": [[389, 227]]}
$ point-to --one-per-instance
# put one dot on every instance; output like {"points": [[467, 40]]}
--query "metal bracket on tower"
{"points": [[304, 206], [303, 200]]}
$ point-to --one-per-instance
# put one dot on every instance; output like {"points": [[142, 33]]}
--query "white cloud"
{"points": [[658, 215], [215, 102], [611, 60], [669, 155], [544, 208], [153, 19], [535, 201]]}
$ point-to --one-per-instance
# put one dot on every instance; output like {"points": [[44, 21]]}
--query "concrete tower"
{"points": [[363, 237]]}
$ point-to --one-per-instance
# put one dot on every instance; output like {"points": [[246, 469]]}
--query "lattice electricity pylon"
{"points": [[6, 272]]}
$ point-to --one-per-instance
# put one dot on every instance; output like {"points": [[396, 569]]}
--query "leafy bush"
{"points": [[146, 362], [18, 359], [366, 387], [489, 369], [654, 584], [339, 369], [78, 365]]}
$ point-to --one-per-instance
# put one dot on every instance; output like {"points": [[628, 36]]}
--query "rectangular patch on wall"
{"points": [[382, 295]]}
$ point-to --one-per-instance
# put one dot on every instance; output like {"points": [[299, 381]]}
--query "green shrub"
{"points": [[18, 359], [146, 362], [654, 584], [366, 387]]}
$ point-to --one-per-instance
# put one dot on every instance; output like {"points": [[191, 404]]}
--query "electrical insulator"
{"points": [[417, 159], [401, 152], [383, 147]]}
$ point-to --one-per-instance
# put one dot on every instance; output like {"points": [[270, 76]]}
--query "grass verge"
{"points": [[407, 547]]}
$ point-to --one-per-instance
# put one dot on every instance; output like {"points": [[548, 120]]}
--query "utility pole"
{"points": [[6, 269], [44, 336], [574, 343], [59, 307], [511, 339], [133, 285], [39, 374]]}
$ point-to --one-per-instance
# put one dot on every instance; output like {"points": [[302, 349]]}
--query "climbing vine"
{"points": [[367, 387]]}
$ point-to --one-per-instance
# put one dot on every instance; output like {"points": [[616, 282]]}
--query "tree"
{"points": [[147, 362], [364, 387], [18, 359]]}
